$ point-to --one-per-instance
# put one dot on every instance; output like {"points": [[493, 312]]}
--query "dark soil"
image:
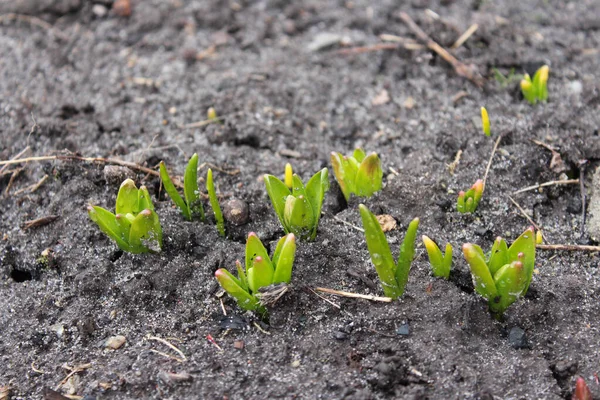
{"points": [[111, 86]]}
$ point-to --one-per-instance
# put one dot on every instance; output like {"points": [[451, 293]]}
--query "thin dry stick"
{"points": [[460, 68], [74, 370], [205, 122], [32, 188], [378, 47], [551, 183], [568, 247], [14, 175], [354, 295], [348, 223], [489, 164], [527, 216], [36, 22], [26, 149], [465, 36], [168, 344], [324, 299], [34, 223]]}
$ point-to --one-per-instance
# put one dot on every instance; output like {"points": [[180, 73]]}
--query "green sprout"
{"points": [[537, 89], [440, 263], [393, 276], [468, 202], [357, 174], [505, 274], [192, 205], [485, 122], [298, 208], [260, 272], [214, 202], [135, 227]]}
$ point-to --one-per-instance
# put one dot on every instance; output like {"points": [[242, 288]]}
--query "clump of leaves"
{"points": [[536, 89], [299, 207], [468, 202], [260, 272], [440, 263], [357, 174], [135, 226], [505, 273], [393, 275], [191, 207]]}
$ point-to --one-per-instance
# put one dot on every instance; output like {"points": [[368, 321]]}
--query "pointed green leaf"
{"points": [[340, 174], [525, 245], [498, 256], [190, 188], [232, 286], [407, 253], [436, 259], [460, 202], [124, 222], [243, 280], [127, 199], [214, 202], [381, 256], [359, 155], [254, 248], [172, 192], [283, 259], [448, 258], [350, 166], [316, 188], [299, 217], [107, 222], [482, 279], [145, 233], [261, 274], [144, 200], [278, 194], [369, 176], [510, 283]]}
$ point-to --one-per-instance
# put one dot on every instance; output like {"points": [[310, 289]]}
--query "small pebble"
{"points": [[403, 330], [122, 8], [238, 344], [236, 211], [517, 338], [338, 335], [99, 10], [114, 342]]}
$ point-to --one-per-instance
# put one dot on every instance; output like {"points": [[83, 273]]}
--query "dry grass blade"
{"points": [[354, 295], [182, 357], [36, 223], [545, 184], [567, 247]]}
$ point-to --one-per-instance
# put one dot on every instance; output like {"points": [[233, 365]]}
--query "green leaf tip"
{"points": [[536, 90], [467, 202], [260, 271], [393, 276], [299, 208], [136, 227], [190, 204], [485, 122], [440, 263], [214, 203], [357, 174], [505, 275]]}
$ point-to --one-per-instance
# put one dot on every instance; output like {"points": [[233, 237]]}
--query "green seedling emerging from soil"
{"points": [[485, 122], [468, 202], [260, 272], [214, 202], [192, 205], [298, 208], [505, 274], [537, 89], [393, 276], [440, 263], [357, 174], [135, 227]]}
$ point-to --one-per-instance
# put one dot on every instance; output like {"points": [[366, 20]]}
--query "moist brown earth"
{"points": [[78, 78]]}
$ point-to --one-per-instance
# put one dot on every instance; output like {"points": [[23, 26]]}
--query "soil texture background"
{"points": [[84, 78]]}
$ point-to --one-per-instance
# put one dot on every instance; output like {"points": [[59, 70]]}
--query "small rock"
{"points": [[173, 378], [564, 369], [236, 211], [576, 87], [99, 10], [59, 329], [382, 98], [339, 335], [323, 40], [517, 338], [238, 344], [387, 222], [403, 330], [295, 363], [115, 174], [122, 8], [115, 342]]}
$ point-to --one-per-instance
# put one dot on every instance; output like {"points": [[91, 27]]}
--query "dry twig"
{"points": [[354, 295], [465, 36], [36, 22], [567, 247], [169, 345], [35, 223], [489, 164], [551, 183]]}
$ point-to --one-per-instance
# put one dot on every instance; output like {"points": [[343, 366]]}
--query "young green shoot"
{"points": [[357, 174], [536, 89], [298, 208], [260, 271], [191, 207], [440, 263], [485, 121], [288, 177], [468, 202], [211, 115], [393, 275], [134, 226], [214, 202], [504, 275]]}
